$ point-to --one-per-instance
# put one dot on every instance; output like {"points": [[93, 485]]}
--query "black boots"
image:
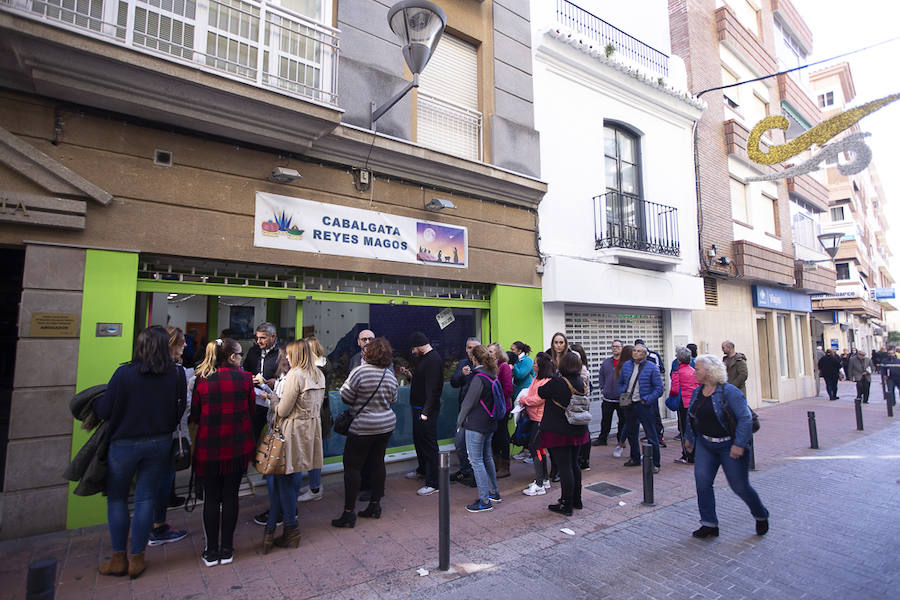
{"points": [[762, 527], [705, 531], [348, 519], [561, 508], [373, 511]]}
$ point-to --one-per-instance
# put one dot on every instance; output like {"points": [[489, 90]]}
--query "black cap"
{"points": [[418, 339]]}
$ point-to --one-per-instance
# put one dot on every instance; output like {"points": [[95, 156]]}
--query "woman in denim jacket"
{"points": [[707, 430]]}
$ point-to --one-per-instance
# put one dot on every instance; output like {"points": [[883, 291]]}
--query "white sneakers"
{"points": [[425, 490], [414, 475], [537, 489], [618, 452], [311, 495], [528, 460], [522, 455], [534, 490]]}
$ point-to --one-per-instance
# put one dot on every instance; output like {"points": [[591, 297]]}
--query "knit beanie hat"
{"points": [[418, 339]]}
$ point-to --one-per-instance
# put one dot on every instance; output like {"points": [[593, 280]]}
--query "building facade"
{"points": [[853, 316], [212, 166], [759, 251]]}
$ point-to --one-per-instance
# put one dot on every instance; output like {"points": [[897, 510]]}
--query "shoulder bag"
{"points": [[345, 419], [270, 459], [625, 399], [578, 410]]}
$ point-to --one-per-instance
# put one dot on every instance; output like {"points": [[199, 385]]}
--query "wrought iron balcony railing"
{"points": [[577, 19], [248, 40], [627, 221]]}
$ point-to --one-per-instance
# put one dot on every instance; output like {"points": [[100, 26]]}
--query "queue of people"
{"points": [[152, 398]]}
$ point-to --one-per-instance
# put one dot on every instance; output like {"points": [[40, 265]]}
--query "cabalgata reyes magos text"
{"points": [[353, 238]]}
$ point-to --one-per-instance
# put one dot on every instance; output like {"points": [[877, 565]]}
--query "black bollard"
{"points": [[41, 580], [444, 512], [752, 454], [647, 467], [859, 420], [813, 435]]}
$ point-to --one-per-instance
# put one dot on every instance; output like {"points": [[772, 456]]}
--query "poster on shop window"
{"points": [[287, 223]]}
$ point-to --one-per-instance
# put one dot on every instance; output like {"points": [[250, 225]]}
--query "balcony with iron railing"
{"points": [[628, 47], [250, 41], [628, 222]]}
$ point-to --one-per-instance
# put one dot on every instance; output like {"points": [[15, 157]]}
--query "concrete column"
{"points": [[40, 429]]}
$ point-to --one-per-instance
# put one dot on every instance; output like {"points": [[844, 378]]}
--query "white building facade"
{"points": [[618, 225]]}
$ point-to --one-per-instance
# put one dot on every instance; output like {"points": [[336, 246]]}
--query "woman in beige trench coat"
{"points": [[297, 416]]}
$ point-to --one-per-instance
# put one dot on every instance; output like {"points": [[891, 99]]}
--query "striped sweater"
{"points": [[377, 417]]}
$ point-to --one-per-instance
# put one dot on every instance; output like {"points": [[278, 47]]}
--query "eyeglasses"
{"points": [[366, 339]]}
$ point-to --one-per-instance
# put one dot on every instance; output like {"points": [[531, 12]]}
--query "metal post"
{"points": [[752, 454], [647, 467], [813, 435], [444, 512], [40, 584], [859, 419]]}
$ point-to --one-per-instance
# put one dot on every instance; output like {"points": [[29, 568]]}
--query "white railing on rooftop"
{"points": [[247, 40]]}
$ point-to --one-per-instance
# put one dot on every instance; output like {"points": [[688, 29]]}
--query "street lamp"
{"points": [[831, 242], [419, 25]]}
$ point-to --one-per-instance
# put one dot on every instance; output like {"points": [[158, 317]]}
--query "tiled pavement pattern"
{"points": [[833, 534]]}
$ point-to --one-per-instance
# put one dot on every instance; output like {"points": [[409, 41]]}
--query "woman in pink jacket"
{"points": [[534, 407], [683, 383]]}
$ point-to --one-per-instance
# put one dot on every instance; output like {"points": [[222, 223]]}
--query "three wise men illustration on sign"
{"points": [[440, 243]]}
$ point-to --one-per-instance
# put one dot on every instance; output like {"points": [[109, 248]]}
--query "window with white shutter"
{"points": [[448, 115]]}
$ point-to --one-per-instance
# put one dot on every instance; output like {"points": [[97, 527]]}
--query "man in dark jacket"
{"points": [[641, 383], [736, 366], [609, 391], [461, 379], [859, 369], [829, 369], [426, 386], [261, 361], [656, 359], [362, 340]]}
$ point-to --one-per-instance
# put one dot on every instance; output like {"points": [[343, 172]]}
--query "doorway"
{"points": [[12, 266], [767, 380]]}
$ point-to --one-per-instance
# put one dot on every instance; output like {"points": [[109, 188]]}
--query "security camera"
{"points": [[283, 175]]}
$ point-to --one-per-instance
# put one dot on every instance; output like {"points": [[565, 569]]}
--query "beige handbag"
{"points": [[270, 459]]}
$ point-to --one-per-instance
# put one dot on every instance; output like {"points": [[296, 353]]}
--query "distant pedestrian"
{"points": [[500, 441], [534, 407], [736, 366], [684, 382], [476, 419], [559, 436], [426, 386], [859, 369], [609, 394], [708, 433], [640, 381], [523, 374], [830, 370]]}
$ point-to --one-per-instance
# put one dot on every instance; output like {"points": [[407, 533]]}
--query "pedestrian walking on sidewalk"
{"points": [[222, 407], [534, 407], [370, 392], [718, 429], [859, 369], [830, 370], [559, 436], [500, 441], [684, 382], [142, 405], [476, 419]]}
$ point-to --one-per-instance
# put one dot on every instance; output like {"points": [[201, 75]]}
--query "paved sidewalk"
{"points": [[378, 559]]}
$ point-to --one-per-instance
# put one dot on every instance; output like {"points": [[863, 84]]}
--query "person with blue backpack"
{"points": [[482, 408]]}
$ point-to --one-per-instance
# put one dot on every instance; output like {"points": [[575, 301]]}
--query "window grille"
{"points": [[710, 291]]}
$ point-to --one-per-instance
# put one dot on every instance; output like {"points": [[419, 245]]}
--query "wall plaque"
{"points": [[54, 325]]}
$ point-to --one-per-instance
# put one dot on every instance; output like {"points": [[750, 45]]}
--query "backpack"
{"points": [[578, 410], [499, 408]]}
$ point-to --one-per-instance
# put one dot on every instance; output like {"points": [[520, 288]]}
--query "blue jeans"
{"points": [[478, 446], [641, 413], [149, 458], [707, 458], [462, 455], [283, 490], [161, 506]]}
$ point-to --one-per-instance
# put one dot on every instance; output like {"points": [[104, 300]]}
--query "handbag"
{"points": [[270, 459], [626, 398], [181, 452], [673, 402], [345, 419]]}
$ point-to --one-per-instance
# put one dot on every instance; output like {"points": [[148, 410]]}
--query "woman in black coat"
{"points": [[829, 368]]}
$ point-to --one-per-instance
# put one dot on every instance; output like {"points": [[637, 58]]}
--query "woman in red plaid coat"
{"points": [[223, 403]]}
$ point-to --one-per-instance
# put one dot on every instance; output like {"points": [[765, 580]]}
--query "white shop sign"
{"points": [[287, 223]]}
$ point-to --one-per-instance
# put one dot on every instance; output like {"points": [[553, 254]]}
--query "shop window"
{"points": [[447, 115], [783, 347], [768, 214], [798, 345], [843, 271]]}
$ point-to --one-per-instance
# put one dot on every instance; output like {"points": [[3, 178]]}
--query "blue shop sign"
{"points": [[885, 293], [769, 297]]}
